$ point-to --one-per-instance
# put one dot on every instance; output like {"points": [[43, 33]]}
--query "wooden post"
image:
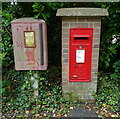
{"points": [[35, 85]]}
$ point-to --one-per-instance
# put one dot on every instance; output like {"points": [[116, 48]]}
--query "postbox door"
{"points": [[80, 54]]}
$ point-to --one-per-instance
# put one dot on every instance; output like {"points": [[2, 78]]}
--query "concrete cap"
{"points": [[82, 12]]}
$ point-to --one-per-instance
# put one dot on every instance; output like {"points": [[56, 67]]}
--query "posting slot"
{"points": [[81, 37]]}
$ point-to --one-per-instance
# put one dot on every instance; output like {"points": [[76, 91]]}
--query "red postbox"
{"points": [[80, 54], [30, 44]]}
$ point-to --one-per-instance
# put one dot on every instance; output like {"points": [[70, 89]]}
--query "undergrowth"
{"points": [[18, 93], [108, 94]]}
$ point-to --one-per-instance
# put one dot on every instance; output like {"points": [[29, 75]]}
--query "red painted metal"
{"points": [[80, 39], [28, 58]]}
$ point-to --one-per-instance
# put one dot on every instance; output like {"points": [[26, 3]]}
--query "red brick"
{"points": [[65, 55], [64, 75], [95, 69], [93, 19], [65, 31], [69, 19], [65, 25], [94, 74], [65, 35], [95, 60], [65, 66], [90, 25], [65, 69], [95, 66], [94, 79], [82, 19], [82, 25], [65, 61], [95, 50], [96, 40], [97, 25], [64, 50], [71, 25], [64, 81], [65, 45], [97, 30], [96, 35], [95, 55], [65, 40], [96, 45]]}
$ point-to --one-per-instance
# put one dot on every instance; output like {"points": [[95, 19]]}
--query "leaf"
{"points": [[8, 87], [45, 16], [44, 102], [59, 115], [53, 111], [97, 112], [27, 112], [113, 115], [33, 111], [108, 114], [4, 98], [48, 93], [104, 105], [87, 107], [65, 115], [107, 64], [44, 115], [37, 115], [71, 107]]}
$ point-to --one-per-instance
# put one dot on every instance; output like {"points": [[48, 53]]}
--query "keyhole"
{"points": [[80, 46], [75, 65]]}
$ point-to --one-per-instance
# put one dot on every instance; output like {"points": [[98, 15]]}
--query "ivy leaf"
{"points": [[44, 102], [26, 111], [44, 16], [106, 63]]}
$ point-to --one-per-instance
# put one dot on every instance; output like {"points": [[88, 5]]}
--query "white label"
{"points": [[80, 56]]}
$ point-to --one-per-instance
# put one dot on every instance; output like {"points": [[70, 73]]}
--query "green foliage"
{"points": [[108, 89], [47, 11], [17, 87], [6, 44], [108, 56], [108, 85], [116, 74], [18, 96], [108, 93], [110, 26], [9, 13]]}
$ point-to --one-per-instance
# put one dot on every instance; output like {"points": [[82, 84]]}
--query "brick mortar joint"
{"points": [[79, 22]]}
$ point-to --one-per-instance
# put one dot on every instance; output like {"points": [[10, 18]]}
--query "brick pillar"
{"points": [[70, 19]]}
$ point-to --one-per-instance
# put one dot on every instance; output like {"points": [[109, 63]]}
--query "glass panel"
{"points": [[29, 39]]}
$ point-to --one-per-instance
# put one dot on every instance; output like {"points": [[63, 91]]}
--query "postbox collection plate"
{"points": [[80, 55]]}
